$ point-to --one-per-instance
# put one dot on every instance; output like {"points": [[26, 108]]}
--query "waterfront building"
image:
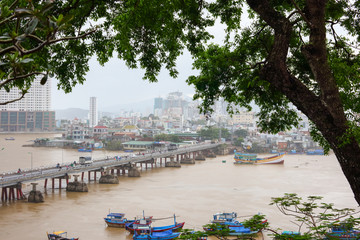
{"points": [[32, 113], [77, 130], [93, 113], [100, 132]]}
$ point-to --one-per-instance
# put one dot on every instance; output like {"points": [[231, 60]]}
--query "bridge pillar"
{"points": [[19, 193], [11, 193], [89, 176], [53, 183], [4, 194], [82, 176], [35, 196], [45, 183], [60, 183]]}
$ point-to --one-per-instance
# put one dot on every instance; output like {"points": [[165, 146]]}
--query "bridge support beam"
{"points": [[4, 194]]}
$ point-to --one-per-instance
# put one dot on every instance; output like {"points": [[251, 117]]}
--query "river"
{"points": [[192, 192]]}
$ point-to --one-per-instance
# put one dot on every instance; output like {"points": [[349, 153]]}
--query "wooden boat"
{"points": [[134, 226], [244, 158], [59, 235], [228, 221], [226, 218], [138, 223], [241, 230], [116, 220], [341, 231], [146, 233]]}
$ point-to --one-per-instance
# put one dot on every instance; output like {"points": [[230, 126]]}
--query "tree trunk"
{"points": [[325, 110]]}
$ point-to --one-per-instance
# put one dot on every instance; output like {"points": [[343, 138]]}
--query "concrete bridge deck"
{"points": [[7, 180]]}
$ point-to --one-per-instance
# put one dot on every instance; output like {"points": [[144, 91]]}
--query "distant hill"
{"points": [[144, 107], [71, 113]]}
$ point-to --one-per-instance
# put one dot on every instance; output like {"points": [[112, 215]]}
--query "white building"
{"points": [[38, 98], [93, 113], [244, 118]]}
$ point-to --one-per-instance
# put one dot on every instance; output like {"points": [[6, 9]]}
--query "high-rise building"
{"points": [[38, 98], [32, 113], [93, 114]]}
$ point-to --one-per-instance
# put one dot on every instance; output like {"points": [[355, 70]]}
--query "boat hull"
{"points": [[174, 228], [117, 224], [278, 159], [166, 235]]}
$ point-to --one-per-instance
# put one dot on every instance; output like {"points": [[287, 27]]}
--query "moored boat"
{"points": [[226, 218], [139, 224], [59, 235], [228, 221], [146, 233], [244, 158], [116, 220], [84, 150], [342, 232], [10, 138]]}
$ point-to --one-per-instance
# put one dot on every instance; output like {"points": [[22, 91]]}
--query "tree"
{"points": [[48, 39], [241, 133], [294, 55], [211, 133], [291, 57], [313, 218], [167, 137]]}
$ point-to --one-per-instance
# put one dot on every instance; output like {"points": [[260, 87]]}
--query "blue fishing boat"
{"points": [[315, 152], [117, 220], [342, 232], [84, 150], [241, 230], [134, 226], [226, 218], [146, 233]]}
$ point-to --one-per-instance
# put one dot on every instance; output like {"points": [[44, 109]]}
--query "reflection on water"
{"points": [[192, 192]]}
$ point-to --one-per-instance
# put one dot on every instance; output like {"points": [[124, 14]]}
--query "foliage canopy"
{"points": [[292, 55]]}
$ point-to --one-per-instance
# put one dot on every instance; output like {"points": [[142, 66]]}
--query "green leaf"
{"points": [[32, 25], [27, 60], [44, 79]]}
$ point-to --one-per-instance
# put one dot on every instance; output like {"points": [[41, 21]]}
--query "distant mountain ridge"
{"points": [[71, 113], [145, 107]]}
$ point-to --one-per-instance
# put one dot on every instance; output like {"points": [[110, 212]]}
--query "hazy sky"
{"points": [[115, 84]]}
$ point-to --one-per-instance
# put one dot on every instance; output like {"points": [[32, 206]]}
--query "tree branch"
{"points": [[14, 100]]}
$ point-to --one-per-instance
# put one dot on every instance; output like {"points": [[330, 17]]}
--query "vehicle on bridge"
{"points": [[85, 160], [172, 146]]}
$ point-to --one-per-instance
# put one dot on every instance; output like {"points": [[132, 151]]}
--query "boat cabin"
{"points": [[117, 216], [224, 217]]}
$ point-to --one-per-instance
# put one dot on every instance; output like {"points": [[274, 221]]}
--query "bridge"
{"points": [[14, 180]]}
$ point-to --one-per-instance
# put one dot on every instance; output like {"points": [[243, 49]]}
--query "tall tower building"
{"points": [[38, 98], [32, 113], [93, 114]]}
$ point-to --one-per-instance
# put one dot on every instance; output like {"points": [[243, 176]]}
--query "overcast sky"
{"points": [[115, 84]]}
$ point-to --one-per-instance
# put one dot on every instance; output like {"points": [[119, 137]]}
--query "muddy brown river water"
{"points": [[192, 192]]}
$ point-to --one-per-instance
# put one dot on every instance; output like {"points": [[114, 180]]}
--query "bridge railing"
{"points": [[50, 171]]}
